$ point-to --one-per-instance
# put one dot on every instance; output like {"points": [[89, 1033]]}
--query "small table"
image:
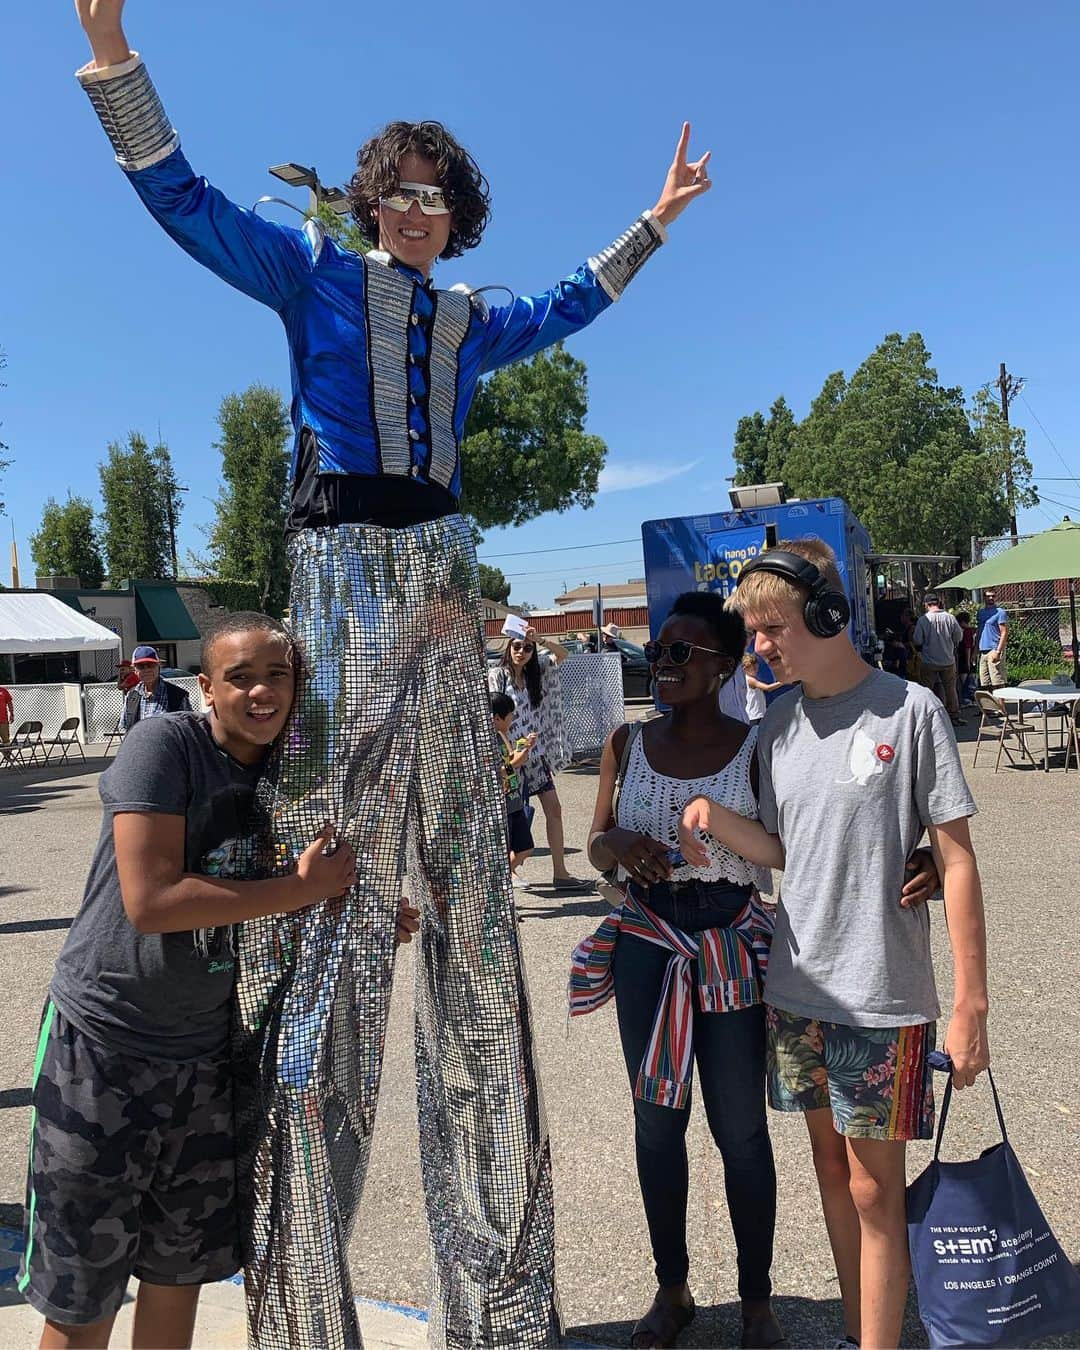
{"points": [[1040, 695]]}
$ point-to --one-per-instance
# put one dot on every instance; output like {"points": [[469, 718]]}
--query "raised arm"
{"points": [[534, 322], [265, 260]]}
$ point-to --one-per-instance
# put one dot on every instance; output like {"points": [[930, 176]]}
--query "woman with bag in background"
{"points": [[525, 674]]}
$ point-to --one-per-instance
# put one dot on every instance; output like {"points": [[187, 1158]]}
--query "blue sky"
{"points": [[876, 168]]}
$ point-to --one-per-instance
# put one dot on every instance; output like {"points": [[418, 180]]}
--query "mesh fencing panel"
{"points": [[104, 703], [42, 703], [592, 701], [1031, 603]]}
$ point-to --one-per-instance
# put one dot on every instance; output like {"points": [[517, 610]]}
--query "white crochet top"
{"points": [[652, 803]]}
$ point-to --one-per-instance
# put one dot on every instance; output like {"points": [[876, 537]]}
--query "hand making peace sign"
{"points": [[685, 181]]}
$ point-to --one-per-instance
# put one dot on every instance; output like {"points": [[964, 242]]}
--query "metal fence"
{"points": [[1032, 603]]}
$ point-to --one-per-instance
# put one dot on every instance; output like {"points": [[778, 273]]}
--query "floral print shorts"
{"points": [[875, 1079]]}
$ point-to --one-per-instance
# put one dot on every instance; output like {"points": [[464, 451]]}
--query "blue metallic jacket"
{"points": [[384, 366]]}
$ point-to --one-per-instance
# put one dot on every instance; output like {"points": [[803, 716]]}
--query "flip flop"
{"points": [[763, 1332], [570, 884], [662, 1324]]}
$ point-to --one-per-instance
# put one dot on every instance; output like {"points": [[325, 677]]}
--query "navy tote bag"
{"points": [[988, 1270]]}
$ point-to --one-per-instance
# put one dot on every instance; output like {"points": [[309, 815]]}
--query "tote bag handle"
{"points": [[937, 1059]]}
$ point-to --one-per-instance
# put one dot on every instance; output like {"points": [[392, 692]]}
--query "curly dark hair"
{"points": [[464, 186], [728, 626]]}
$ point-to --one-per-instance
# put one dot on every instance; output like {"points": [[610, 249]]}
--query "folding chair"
{"points": [[117, 735], [994, 712], [1072, 735], [27, 741], [65, 738]]}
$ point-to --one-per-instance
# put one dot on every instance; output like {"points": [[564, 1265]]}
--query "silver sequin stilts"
{"points": [[392, 741]]}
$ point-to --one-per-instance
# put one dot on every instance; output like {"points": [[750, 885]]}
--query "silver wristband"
{"points": [[620, 262], [128, 106]]}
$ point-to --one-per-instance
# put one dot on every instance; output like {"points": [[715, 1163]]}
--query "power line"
{"points": [[1072, 477], [627, 562], [566, 548]]}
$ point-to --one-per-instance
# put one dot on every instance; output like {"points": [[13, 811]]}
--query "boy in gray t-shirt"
{"points": [[131, 1153], [853, 766]]}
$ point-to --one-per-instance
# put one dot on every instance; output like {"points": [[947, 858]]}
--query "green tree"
{"points": [[900, 449], [751, 450], [66, 543], [1006, 444], [137, 486], [779, 437], [343, 230], [762, 444], [493, 584], [247, 538], [525, 450]]}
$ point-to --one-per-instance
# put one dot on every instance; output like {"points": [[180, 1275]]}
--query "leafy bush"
{"points": [[1030, 654]]}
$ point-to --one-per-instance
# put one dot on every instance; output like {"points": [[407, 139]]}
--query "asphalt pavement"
{"points": [[1026, 838]]}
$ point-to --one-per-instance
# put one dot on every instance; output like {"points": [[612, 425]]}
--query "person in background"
{"points": [[513, 757], [894, 656], [7, 715], [609, 633], [127, 677], [937, 638], [742, 697], [522, 674], [152, 696], [965, 659], [992, 624]]}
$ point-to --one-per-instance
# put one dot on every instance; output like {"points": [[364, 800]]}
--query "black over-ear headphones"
{"points": [[827, 611]]}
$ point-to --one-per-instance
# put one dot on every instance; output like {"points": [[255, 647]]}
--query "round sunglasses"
{"points": [[678, 652], [522, 646]]}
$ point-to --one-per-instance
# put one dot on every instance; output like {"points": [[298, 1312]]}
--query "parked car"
{"points": [[636, 673]]}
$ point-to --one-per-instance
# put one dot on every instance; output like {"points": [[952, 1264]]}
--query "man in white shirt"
{"points": [[936, 638]]}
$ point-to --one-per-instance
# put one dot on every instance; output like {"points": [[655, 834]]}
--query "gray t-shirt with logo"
{"points": [[849, 783], [159, 995]]}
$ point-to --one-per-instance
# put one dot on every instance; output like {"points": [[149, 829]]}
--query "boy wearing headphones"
{"points": [[853, 766]]}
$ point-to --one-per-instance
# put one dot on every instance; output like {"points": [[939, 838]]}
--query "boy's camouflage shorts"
{"points": [[131, 1172]]}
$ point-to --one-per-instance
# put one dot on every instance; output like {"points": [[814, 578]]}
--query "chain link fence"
{"points": [[104, 703], [1035, 604]]}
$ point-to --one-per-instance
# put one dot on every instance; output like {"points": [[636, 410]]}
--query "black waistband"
{"points": [[327, 499]]}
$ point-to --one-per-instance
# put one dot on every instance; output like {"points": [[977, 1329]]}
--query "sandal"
{"points": [[660, 1326], [762, 1332], [570, 884]]}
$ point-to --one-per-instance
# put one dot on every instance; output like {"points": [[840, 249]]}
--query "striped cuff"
{"points": [[616, 266], [128, 106]]}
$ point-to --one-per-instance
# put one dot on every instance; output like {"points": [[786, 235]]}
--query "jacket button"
{"points": [[416, 470], [414, 319], [414, 435]]}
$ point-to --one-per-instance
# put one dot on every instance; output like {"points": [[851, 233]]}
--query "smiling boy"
{"points": [[132, 1154]]}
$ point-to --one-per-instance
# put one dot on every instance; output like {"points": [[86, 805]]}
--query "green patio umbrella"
{"points": [[1053, 555]]}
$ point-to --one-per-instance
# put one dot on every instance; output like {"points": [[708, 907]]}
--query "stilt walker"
{"points": [[392, 735]]}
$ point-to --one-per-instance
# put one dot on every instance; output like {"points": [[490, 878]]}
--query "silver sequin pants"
{"points": [[392, 740]]}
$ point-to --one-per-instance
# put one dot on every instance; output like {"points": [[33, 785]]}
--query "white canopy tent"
{"points": [[39, 624]]}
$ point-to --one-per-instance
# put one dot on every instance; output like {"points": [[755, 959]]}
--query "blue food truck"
{"points": [[708, 552]]}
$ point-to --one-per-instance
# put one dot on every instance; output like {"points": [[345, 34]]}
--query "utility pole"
{"points": [[1008, 388]]}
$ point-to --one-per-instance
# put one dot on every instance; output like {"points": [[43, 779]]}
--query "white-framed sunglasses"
{"points": [[431, 200]]}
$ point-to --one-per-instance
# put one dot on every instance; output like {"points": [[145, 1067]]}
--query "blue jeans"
{"points": [[729, 1048]]}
